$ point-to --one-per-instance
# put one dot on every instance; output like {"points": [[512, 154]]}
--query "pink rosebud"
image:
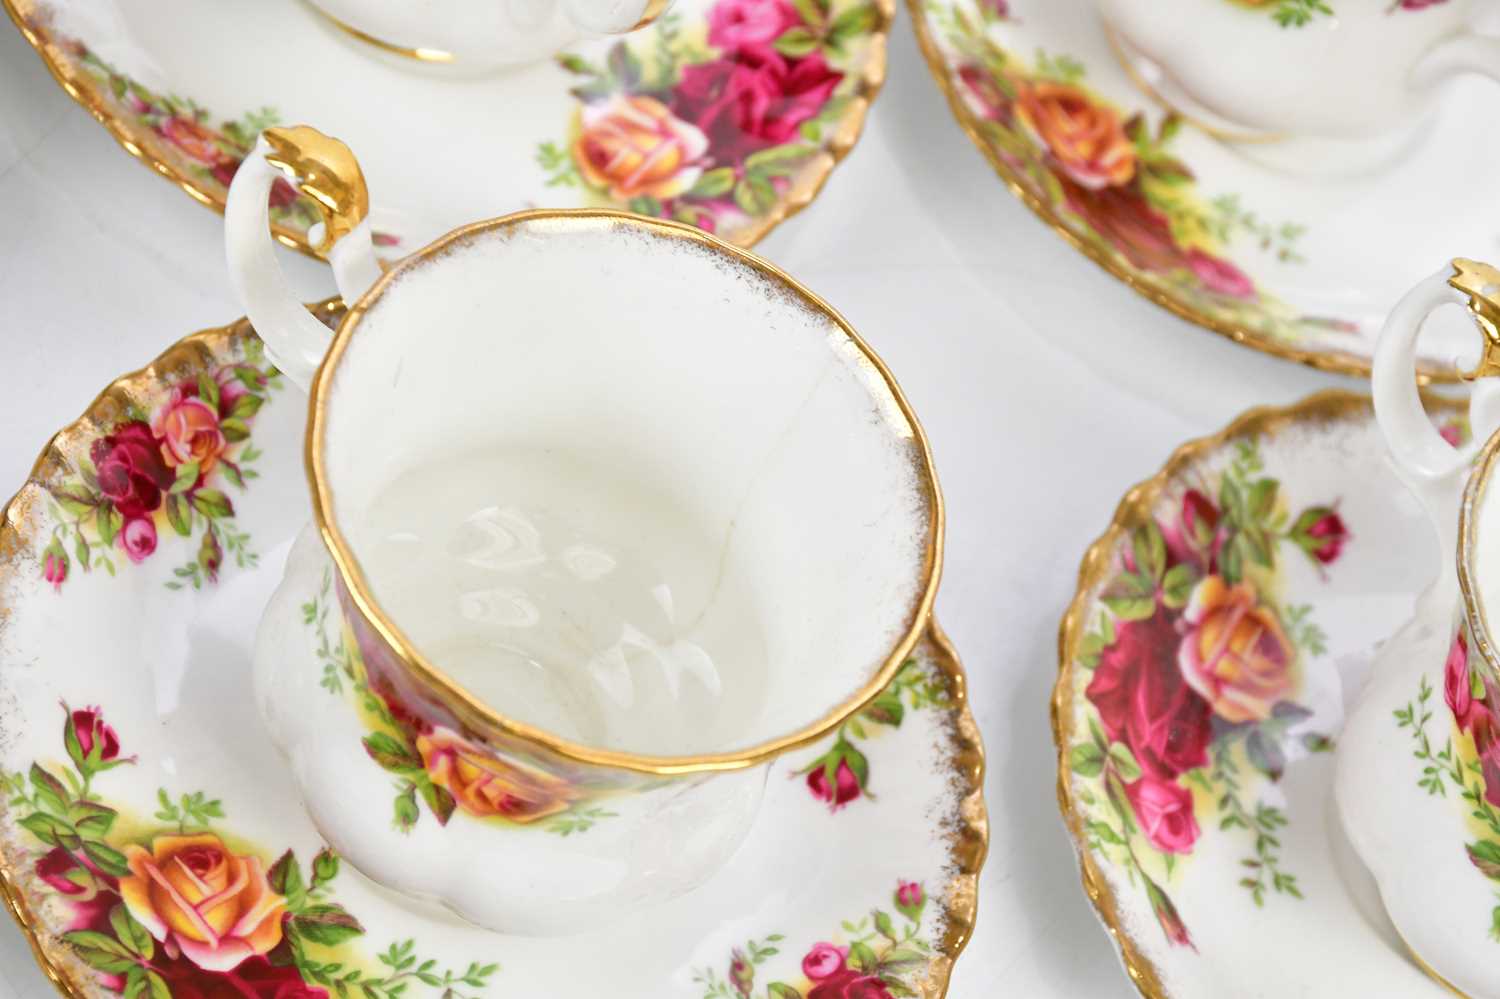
{"points": [[845, 787], [823, 961], [910, 898], [55, 566], [1220, 276], [84, 731], [65, 875], [1165, 811], [138, 538], [741, 973], [1320, 532]]}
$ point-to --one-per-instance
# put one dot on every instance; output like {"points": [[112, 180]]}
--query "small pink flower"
{"points": [[138, 538], [910, 898], [55, 566], [1220, 276], [844, 790], [1165, 811], [823, 961], [87, 727], [737, 24], [1452, 433]]}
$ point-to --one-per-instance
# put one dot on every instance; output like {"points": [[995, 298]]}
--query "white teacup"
{"points": [[479, 35], [1418, 766], [1252, 69], [616, 513]]}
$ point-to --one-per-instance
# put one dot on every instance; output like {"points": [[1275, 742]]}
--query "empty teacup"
{"points": [[1418, 768], [1332, 69], [477, 35], [614, 514]]}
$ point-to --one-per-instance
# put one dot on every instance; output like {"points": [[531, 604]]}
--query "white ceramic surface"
{"points": [[474, 35], [1351, 68]]}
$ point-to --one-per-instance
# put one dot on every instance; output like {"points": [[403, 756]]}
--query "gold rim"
{"points": [[1468, 540], [475, 713], [1338, 362], [804, 188], [968, 842], [405, 51], [1330, 406]]}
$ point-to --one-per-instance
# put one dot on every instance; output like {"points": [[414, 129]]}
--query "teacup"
{"points": [[1418, 768], [480, 35], [1326, 69], [616, 515]]}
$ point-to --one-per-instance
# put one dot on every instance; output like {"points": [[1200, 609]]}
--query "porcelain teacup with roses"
{"points": [[1417, 780], [1313, 69], [470, 36], [607, 515]]}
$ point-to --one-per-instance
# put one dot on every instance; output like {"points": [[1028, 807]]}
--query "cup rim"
{"points": [[470, 710], [1468, 547]]}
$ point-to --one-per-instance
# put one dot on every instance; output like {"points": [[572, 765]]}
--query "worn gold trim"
{"points": [[968, 841], [192, 353], [1135, 509], [1338, 362], [475, 713], [804, 185], [1468, 543], [406, 51]]}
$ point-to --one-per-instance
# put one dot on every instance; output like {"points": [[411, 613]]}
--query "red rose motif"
{"points": [[992, 101], [1329, 533], [132, 474], [89, 729], [1457, 688], [55, 868], [255, 978], [1165, 812], [738, 24], [137, 538], [823, 961], [1144, 702], [193, 139], [753, 99], [1220, 276], [845, 786], [1125, 220], [849, 984]]}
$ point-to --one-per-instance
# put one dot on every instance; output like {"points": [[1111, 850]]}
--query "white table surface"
{"points": [[1047, 388]]}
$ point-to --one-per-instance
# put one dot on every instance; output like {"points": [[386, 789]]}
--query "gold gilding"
{"points": [[327, 172], [1481, 283]]}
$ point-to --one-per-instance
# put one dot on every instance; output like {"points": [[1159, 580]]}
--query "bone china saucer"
{"points": [[1220, 626], [151, 842], [1296, 264], [729, 114]]}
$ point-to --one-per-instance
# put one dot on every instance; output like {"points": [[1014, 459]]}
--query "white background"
{"points": [[1047, 388]]}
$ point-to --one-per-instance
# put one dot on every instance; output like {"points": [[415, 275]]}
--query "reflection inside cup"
{"points": [[580, 596]]}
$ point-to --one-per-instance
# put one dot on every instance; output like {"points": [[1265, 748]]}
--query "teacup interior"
{"points": [[627, 486]]}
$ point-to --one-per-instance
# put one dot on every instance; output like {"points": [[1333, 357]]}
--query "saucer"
{"points": [[1299, 265], [1200, 798], [151, 842], [715, 114]]}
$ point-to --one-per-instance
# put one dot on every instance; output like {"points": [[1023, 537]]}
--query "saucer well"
{"points": [[1299, 264], [151, 841], [1221, 625], [729, 114]]}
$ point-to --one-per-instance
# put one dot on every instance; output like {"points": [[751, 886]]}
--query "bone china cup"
{"points": [[1354, 68], [615, 514], [1417, 778], [480, 35]]}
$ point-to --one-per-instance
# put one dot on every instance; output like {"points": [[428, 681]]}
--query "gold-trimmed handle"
{"points": [[325, 170], [1481, 282]]}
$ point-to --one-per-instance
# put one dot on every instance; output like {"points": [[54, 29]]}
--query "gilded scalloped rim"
{"points": [[1335, 361], [1322, 408], [143, 145], [968, 839]]}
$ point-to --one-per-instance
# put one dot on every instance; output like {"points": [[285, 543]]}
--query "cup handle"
{"points": [[1431, 467], [1464, 53], [325, 170]]}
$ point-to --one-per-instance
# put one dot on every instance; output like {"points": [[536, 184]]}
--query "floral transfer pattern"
{"points": [[436, 767], [1468, 765], [842, 774], [713, 124], [172, 906], [1111, 178], [877, 960], [1191, 678], [1300, 13], [166, 473]]}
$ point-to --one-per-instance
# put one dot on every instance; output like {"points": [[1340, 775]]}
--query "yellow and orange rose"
{"points": [[1236, 654], [633, 146], [1085, 137], [484, 785], [193, 893], [189, 431]]}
